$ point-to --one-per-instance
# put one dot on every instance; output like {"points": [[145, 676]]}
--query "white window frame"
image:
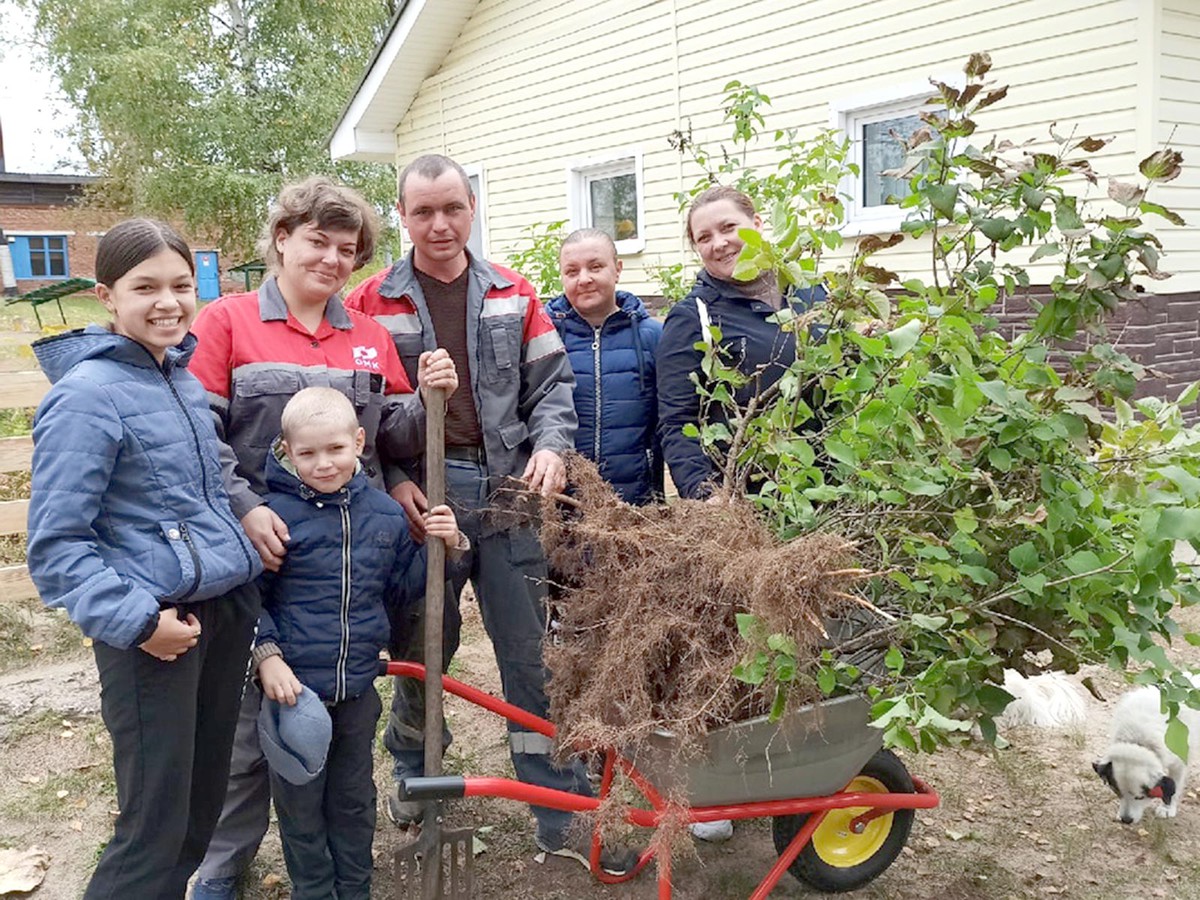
{"points": [[476, 170], [579, 175], [848, 116]]}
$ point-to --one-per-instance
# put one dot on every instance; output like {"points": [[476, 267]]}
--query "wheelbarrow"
{"points": [[841, 807]]}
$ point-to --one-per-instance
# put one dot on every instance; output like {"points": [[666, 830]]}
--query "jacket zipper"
{"points": [[203, 477], [344, 646], [596, 379], [187, 540]]}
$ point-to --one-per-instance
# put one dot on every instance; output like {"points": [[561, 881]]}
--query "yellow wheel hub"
{"points": [[835, 842]]}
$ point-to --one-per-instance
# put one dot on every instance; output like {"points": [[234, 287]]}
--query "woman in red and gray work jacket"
{"points": [[255, 351]]}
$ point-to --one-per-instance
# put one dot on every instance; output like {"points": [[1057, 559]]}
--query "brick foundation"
{"points": [[1160, 331]]}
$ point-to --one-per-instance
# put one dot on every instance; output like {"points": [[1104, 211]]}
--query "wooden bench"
{"points": [[53, 293], [18, 390]]}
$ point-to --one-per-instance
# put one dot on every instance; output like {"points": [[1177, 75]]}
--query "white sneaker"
{"points": [[713, 832]]}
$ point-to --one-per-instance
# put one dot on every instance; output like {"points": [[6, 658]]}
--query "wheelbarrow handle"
{"points": [[439, 787]]}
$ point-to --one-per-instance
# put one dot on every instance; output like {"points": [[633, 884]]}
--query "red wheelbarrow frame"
{"points": [[453, 786]]}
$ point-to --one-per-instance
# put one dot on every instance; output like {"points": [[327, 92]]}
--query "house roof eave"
{"points": [[417, 40]]}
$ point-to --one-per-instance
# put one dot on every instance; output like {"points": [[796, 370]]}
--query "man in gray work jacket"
{"points": [[511, 416]]}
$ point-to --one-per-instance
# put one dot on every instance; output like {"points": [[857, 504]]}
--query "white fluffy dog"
{"points": [[1138, 766], [1049, 700]]}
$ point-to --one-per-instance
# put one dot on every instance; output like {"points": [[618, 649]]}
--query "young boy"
{"points": [[325, 619], [611, 340]]}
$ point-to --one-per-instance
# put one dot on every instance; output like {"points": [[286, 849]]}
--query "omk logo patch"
{"points": [[367, 357]]}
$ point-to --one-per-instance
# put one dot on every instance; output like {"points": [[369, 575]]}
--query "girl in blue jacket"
{"points": [[131, 532]]}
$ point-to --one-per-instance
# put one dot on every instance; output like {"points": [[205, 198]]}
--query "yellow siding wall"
{"points": [[1178, 122], [533, 84]]}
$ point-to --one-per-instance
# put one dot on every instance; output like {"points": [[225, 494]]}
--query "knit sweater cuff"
{"points": [[263, 651]]}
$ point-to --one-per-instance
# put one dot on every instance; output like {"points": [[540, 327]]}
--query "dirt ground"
{"points": [[1030, 821]]}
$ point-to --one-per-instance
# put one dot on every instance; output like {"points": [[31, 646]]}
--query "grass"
{"points": [[16, 422], [26, 625], [15, 631], [78, 310], [88, 784]]}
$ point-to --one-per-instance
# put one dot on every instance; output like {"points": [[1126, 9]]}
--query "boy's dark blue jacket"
{"points": [[615, 393], [349, 559], [751, 343]]}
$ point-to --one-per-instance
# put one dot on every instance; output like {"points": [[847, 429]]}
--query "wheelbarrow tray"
{"points": [[812, 751]]}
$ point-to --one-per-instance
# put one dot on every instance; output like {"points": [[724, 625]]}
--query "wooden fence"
{"points": [[18, 390]]}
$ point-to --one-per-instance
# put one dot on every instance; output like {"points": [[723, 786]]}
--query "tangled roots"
{"points": [[646, 604]]}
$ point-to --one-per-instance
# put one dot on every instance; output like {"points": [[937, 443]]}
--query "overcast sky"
{"points": [[32, 111]]}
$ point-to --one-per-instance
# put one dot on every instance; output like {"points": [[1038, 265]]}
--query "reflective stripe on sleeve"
{"points": [[541, 346]]}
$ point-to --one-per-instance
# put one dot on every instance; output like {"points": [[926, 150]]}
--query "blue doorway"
{"points": [[208, 275]]}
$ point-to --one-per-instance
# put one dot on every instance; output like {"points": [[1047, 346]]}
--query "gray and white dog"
{"points": [[1138, 766]]}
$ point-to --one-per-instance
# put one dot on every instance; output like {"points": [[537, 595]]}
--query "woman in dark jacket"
{"points": [[611, 341], [750, 339]]}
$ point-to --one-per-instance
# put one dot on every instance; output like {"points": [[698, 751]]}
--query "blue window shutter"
{"points": [[19, 248]]}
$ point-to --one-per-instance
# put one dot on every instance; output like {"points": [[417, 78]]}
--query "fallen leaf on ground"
{"points": [[955, 835], [271, 879], [77, 825], [21, 871], [61, 795]]}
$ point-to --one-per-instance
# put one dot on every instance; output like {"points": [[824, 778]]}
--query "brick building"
{"points": [[49, 236], [52, 237]]}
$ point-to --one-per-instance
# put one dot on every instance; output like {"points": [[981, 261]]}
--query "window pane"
{"points": [[57, 264], [614, 206], [56, 243], [881, 151], [37, 264], [37, 244]]}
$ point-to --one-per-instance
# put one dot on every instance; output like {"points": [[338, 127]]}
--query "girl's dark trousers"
{"points": [[172, 727]]}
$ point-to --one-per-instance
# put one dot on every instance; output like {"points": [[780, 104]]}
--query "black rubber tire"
{"points": [[808, 867]]}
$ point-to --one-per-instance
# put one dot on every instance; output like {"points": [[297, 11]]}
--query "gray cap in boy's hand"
{"points": [[295, 739]]}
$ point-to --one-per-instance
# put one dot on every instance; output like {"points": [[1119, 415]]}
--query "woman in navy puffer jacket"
{"points": [[611, 341], [131, 532]]}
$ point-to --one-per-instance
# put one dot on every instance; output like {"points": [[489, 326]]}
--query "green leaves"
{"points": [[1177, 524], [1176, 738], [943, 197], [1024, 557], [1016, 499], [905, 337]]}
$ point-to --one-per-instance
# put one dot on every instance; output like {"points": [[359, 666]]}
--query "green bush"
{"points": [[1008, 495]]}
